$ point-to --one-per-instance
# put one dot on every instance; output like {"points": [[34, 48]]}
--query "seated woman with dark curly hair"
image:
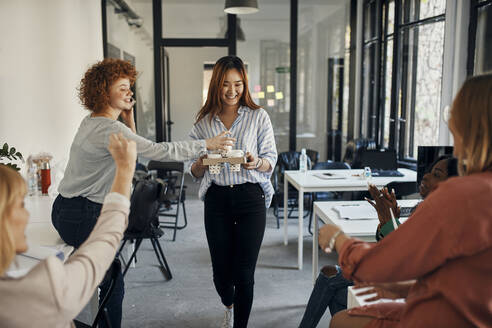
{"points": [[105, 92]]}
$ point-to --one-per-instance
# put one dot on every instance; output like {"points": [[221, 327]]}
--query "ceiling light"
{"points": [[239, 7]]}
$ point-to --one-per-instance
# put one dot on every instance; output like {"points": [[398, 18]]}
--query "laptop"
{"points": [[382, 162]]}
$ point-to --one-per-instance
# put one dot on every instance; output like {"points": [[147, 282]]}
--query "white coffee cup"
{"points": [[235, 153]]}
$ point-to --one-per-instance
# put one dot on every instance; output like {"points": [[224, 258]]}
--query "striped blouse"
{"points": [[254, 133]]}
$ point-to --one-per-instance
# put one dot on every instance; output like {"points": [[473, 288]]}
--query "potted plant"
{"points": [[11, 154]]}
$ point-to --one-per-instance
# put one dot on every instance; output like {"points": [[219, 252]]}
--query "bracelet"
{"points": [[333, 239], [259, 163]]}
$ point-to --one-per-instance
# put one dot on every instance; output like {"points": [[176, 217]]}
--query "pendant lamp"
{"points": [[239, 7]]}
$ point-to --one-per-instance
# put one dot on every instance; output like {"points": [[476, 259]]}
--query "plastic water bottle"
{"points": [[303, 161], [32, 180], [367, 173]]}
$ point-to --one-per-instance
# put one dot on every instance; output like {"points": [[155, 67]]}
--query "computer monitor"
{"points": [[380, 159], [426, 155]]}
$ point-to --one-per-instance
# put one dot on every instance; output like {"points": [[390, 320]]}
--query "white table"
{"points": [[362, 229], [349, 180], [39, 231]]}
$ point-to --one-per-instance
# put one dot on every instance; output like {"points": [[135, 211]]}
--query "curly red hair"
{"points": [[97, 81]]}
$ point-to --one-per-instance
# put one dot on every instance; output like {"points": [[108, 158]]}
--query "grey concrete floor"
{"points": [[190, 300]]}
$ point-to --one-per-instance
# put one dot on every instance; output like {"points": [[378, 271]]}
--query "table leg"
{"points": [[286, 208], [301, 226], [315, 246]]}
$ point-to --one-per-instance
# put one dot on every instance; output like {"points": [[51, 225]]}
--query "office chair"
{"points": [[287, 161], [324, 196], [173, 174], [102, 312], [313, 156], [143, 222]]}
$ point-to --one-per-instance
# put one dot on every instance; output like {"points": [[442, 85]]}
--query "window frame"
{"points": [[398, 124], [475, 5]]}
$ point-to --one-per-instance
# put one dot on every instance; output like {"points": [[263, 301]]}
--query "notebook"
{"points": [[356, 212]]}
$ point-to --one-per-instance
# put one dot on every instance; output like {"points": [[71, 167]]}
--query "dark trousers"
{"points": [[235, 224], [327, 292], [74, 218]]}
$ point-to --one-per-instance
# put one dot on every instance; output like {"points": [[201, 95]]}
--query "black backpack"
{"points": [[145, 202]]}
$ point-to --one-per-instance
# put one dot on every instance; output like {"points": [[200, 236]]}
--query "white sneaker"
{"points": [[228, 321]]}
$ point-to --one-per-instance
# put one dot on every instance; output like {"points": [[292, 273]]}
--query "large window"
{"points": [[402, 73], [480, 51]]}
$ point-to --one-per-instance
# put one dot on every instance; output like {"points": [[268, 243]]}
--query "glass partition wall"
{"points": [[132, 40], [264, 45], [323, 62]]}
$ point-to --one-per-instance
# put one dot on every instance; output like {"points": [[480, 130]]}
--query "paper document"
{"points": [[356, 212], [329, 176]]}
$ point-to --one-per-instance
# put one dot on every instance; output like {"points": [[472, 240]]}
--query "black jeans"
{"points": [[235, 224], [74, 219]]}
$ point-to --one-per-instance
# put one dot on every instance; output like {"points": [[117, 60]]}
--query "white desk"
{"points": [[349, 181], [362, 229], [39, 208], [39, 230]]}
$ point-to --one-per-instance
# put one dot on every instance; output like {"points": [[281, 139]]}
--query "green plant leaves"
{"points": [[11, 154]]}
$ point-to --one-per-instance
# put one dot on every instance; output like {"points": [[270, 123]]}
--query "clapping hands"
{"points": [[383, 202]]}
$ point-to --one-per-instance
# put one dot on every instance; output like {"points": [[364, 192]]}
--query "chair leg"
{"points": [[185, 218], [134, 254], [162, 259], [118, 253], [310, 220]]}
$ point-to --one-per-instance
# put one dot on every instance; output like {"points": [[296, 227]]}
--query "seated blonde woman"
{"points": [[445, 246], [53, 292]]}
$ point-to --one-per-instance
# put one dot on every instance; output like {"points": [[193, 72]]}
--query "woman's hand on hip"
{"points": [[220, 141]]}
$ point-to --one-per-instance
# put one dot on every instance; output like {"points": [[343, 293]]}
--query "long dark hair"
{"points": [[213, 105]]}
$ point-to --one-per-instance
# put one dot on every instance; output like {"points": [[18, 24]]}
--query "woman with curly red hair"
{"points": [[105, 92]]}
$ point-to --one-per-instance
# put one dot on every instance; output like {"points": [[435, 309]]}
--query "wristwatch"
{"points": [[333, 239]]}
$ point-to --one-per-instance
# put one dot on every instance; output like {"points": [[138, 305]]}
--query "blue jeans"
{"points": [[327, 292], [74, 219]]}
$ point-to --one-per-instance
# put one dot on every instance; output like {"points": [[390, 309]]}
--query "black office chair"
{"points": [[313, 156], [102, 312], [325, 196], [143, 223], [287, 161], [173, 174], [353, 146]]}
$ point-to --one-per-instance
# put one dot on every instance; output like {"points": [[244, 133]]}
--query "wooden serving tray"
{"points": [[230, 160]]}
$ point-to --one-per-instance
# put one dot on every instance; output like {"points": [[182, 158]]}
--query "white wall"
{"points": [[186, 85], [45, 48]]}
